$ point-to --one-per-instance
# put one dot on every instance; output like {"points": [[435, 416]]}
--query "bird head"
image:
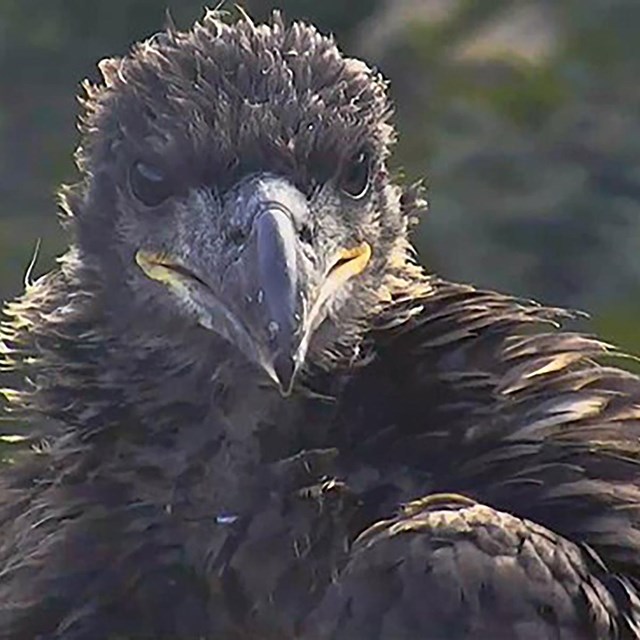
{"points": [[234, 181]]}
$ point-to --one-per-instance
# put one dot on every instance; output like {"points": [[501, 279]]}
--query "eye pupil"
{"points": [[356, 175], [149, 184]]}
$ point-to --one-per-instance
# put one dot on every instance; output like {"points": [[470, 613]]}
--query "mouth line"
{"points": [[185, 273], [350, 262], [176, 267]]}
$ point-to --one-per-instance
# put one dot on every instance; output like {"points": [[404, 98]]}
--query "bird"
{"points": [[252, 414]]}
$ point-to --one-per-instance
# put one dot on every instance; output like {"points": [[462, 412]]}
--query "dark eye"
{"points": [[149, 184], [356, 175]]}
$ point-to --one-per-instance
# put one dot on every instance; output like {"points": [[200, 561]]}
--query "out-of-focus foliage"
{"points": [[523, 115], [531, 143]]}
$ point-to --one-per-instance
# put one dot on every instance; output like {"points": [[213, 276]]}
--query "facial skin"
{"points": [[238, 176]]}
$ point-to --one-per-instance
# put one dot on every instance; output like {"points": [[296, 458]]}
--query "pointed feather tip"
{"points": [[169, 22]]}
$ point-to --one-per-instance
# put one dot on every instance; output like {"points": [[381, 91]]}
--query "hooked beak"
{"points": [[274, 295]]}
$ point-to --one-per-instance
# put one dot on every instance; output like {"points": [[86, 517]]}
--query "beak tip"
{"points": [[285, 369]]}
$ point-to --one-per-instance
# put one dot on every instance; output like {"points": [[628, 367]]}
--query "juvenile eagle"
{"points": [[262, 420]]}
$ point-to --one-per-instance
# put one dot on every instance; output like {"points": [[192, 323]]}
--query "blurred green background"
{"points": [[524, 116]]}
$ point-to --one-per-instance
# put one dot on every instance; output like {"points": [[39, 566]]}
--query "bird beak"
{"points": [[273, 296]]}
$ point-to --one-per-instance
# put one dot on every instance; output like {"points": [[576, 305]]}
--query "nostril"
{"points": [[306, 234]]}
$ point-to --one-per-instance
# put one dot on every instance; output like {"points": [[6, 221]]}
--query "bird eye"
{"points": [[356, 175], [149, 184]]}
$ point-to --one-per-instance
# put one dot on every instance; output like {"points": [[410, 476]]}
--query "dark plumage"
{"points": [[262, 419]]}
